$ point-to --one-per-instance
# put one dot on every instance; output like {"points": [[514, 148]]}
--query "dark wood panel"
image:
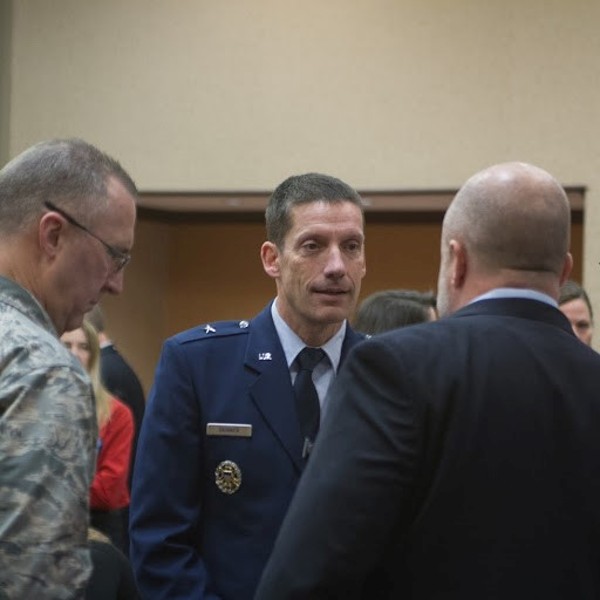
{"points": [[214, 268]]}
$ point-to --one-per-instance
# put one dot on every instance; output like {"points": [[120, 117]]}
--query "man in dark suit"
{"points": [[461, 459], [116, 373], [224, 439]]}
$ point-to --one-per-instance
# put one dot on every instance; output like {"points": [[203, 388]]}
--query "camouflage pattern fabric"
{"points": [[48, 436]]}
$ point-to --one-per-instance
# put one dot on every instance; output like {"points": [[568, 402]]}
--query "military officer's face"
{"points": [[76, 343], [320, 267]]}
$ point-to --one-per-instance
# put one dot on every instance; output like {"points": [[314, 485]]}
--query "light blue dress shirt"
{"points": [[325, 371], [516, 293]]}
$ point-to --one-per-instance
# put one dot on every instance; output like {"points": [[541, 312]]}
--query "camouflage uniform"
{"points": [[48, 434]]}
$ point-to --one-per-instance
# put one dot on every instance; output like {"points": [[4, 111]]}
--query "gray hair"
{"points": [[303, 189], [68, 172]]}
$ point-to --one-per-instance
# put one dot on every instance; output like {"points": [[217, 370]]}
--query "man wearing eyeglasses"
{"points": [[67, 216]]}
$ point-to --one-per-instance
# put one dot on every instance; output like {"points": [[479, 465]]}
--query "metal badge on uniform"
{"points": [[228, 477], [229, 429]]}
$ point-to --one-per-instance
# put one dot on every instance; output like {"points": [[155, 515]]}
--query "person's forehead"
{"points": [[115, 188], [321, 212], [120, 215], [576, 305]]}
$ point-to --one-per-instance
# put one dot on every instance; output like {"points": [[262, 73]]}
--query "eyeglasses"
{"points": [[119, 258]]}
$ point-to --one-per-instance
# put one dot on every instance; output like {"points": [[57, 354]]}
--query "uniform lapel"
{"points": [[272, 390]]}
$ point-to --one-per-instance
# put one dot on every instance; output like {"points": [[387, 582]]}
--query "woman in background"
{"points": [[109, 492]]}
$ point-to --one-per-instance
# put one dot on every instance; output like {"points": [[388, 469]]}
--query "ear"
{"points": [[269, 255], [567, 266], [459, 264], [50, 239]]}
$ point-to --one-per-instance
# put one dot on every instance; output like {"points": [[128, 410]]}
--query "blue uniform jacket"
{"points": [[190, 539]]}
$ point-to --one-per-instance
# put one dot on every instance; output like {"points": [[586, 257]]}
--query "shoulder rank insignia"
{"points": [[209, 328]]}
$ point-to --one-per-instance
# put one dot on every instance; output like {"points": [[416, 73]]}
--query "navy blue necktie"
{"points": [[307, 399]]}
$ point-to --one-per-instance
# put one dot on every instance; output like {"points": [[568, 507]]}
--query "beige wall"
{"points": [[201, 95], [5, 63], [218, 95]]}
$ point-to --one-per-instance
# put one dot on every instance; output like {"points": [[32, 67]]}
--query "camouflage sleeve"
{"points": [[47, 451]]}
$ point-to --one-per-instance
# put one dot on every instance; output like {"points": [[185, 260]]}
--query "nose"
{"points": [[335, 267], [114, 283]]}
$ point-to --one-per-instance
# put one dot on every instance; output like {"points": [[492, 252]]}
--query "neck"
{"points": [[319, 335], [545, 283], [313, 333]]}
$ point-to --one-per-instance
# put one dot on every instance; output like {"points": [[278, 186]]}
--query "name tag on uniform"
{"points": [[229, 429]]}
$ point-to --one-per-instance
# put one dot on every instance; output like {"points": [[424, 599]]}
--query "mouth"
{"points": [[332, 292]]}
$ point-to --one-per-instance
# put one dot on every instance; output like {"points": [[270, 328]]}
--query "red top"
{"points": [[109, 489]]}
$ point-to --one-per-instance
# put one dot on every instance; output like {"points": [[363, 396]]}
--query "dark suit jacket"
{"points": [[190, 539], [121, 381], [457, 460], [111, 578]]}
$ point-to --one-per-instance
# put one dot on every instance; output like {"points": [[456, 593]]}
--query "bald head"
{"points": [[509, 225], [512, 216]]}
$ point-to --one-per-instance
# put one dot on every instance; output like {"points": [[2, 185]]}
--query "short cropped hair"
{"points": [[68, 172], [303, 189]]}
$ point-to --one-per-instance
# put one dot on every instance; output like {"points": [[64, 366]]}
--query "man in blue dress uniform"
{"points": [[223, 443]]}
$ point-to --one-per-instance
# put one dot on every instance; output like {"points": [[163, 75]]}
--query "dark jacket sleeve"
{"points": [[166, 497]]}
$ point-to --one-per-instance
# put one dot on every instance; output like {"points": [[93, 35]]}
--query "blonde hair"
{"points": [[103, 398], [97, 536]]}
